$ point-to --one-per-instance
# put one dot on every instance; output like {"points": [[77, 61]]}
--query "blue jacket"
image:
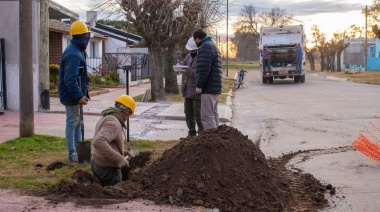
{"points": [[69, 91], [209, 67], [299, 54]]}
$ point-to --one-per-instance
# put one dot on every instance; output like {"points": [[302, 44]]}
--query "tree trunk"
{"points": [[322, 62], [332, 62], [310, 58], [338, 66], [157, 83], [171, 84], [312, 63]]}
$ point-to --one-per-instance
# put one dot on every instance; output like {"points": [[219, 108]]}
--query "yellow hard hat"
{"points": [[78, 28], [128, 102]]}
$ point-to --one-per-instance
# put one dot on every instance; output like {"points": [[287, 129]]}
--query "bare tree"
{"points": [[320, 42], [355, 32], [373, 12], [162, 24], [275, 17], [248, 20], [310, 52], [340, 47], [246, 36]]}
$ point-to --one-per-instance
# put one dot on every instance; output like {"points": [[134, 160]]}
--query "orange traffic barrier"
{"points": [[365, 146]]}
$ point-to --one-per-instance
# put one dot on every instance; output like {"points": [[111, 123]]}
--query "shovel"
{"points": [[84, 147], [81, 70]]}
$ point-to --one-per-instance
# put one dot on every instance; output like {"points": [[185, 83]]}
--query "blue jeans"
{"points": [[73, 127]]}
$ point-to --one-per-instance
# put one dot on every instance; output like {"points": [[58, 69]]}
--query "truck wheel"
{"points": [[296, 79], [302, 80], [264, 80], [270, 80]]}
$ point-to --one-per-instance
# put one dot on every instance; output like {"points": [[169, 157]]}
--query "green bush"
{"points": [[53, 73], [114, 76]]}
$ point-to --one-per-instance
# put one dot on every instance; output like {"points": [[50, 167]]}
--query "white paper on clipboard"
{"points": [[180, 68]]}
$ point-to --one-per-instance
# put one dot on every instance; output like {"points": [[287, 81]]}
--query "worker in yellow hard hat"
{"points": [[73, 83], [107, 156]]}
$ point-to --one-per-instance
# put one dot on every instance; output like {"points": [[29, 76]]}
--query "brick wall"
{"points": [[55, 47]]}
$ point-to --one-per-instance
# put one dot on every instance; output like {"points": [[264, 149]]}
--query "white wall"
{"points": [[121, 72], [112, 45], [9, 16]]}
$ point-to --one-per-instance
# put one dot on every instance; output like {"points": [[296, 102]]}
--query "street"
{"points": [[321, 114]]}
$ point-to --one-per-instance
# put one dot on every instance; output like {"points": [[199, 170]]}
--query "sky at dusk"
{"points": [[329, 15]]}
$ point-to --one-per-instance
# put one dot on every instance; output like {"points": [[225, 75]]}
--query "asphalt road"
{"points": [[322, 114]]}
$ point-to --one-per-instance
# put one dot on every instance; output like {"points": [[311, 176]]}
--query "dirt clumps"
{"points": [[221, 168]]}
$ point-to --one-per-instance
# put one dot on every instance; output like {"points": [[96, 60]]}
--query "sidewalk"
{"points": [[170, 117]]}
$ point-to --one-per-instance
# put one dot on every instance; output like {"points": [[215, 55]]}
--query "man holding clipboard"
{"points": [[192, 98]]}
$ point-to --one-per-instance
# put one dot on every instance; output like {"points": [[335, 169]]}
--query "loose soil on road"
{"points": [[221, 168]]}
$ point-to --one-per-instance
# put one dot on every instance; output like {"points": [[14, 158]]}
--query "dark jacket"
{"points": [[299, 54], [73, 57], [189, 78], [209, 67]]}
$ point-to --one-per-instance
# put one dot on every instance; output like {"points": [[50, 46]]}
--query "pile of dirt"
{"points": [[220, 168]]}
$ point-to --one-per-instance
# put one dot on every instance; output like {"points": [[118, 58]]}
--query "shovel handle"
{"points": [[81, 69]]}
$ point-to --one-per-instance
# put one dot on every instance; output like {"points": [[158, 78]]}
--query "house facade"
{"points": [[354, 55], [374, 56], [10, 71], [59, 39]]}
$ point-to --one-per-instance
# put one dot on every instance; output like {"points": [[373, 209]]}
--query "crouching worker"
{"points": [[108, 145]]}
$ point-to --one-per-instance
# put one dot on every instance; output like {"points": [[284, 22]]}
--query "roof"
{"points": [[64, 28], [57, 11], [116, 34]]}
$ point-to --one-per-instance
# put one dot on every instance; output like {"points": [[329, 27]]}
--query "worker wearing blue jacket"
{"points": [[209, 78], [72, 68], [299, 57]]}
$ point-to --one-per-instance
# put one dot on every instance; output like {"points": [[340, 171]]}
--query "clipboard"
{"points": [[180, 68]]}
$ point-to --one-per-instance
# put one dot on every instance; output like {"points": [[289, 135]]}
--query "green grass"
{"points": [[242, 65], [20, 160]]}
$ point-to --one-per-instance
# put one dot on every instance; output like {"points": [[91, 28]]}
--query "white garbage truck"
{"points": [[282, 42]]}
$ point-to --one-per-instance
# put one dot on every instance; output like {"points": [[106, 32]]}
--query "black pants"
{"points": [[108, 176], [266, 63], [193, 115]]}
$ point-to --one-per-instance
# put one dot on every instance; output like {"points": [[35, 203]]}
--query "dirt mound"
{"points": [[221, 168]]}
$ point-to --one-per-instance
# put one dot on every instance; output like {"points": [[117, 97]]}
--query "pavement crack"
{"points": [[152, 113]]}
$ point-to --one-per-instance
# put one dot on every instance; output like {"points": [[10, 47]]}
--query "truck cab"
{"points": [[282, 42]]}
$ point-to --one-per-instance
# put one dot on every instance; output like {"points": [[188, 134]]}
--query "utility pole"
{"points": [[366, 39], [26, 69], [44, 56], [227, 45]]}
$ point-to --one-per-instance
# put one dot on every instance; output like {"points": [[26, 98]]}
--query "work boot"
{"points": [[73, 157], [192, 133]]}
